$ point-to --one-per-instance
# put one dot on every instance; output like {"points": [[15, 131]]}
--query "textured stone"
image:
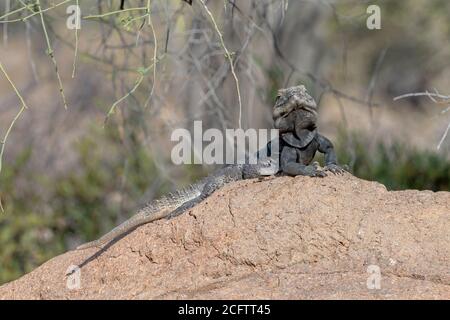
{"points": [[279, 238]]}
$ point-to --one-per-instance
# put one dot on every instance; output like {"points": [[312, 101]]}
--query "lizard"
{"points": [[295, 115], [176, 203], [298, 127]]}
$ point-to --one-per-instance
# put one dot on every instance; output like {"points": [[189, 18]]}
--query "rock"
{"points": [[279, 238]]}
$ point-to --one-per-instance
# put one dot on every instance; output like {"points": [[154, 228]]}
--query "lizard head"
{"points": [[291, 99]]}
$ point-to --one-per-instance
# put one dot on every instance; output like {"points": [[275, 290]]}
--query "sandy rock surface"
{"points": [[279, 238]]}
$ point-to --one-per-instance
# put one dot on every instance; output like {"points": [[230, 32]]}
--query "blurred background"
{"points": [[70, 175]]}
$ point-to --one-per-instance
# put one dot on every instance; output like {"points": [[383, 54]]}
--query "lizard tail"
{"points": [[155, 210], [129, 225]]}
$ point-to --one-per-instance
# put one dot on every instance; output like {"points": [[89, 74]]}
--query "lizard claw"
{"points": [[314, 171], [317, 172], [320, 174], [334, 168]]}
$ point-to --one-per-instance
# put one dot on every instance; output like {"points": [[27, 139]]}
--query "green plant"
{"points": [[396, 166]]}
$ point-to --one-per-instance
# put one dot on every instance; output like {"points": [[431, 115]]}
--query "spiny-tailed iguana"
{"points": [[299, 127], [295, 116], [184, 199]]}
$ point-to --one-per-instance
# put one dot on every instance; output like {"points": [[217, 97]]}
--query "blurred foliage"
{"points": [[397, 166], [45, 215]]}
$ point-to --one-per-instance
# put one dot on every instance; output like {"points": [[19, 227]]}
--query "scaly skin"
{"points": [[155, 210], [177, 203], [295, 115]]}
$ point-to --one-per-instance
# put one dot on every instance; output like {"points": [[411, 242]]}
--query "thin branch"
{"points": [[22, 101], [114, 12], [444, 100], [443, 137], [155, 50], [5, 27], [419, 94], [142, 73], [51, 54], [40, 11], [373, 81], [29, 51], [228, 56], [8, 131], [76, 42], [12, 12]]}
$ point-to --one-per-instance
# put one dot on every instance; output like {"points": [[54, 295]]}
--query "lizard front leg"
{"points": [[291, 167], [326, 147]]}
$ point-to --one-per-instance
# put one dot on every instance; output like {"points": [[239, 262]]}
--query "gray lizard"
{"points": [[295, 116], [299, 127], [176, 203]]}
